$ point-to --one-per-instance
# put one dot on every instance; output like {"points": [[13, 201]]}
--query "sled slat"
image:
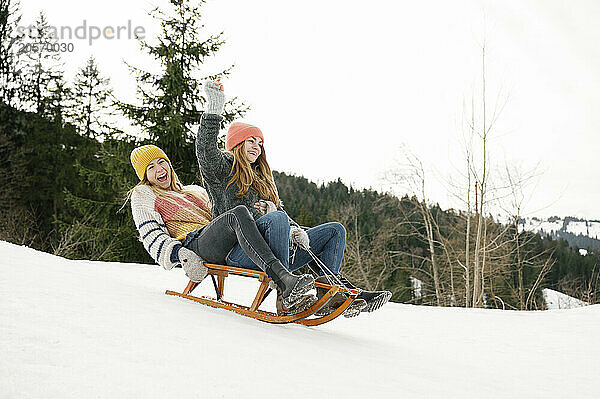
{"points": [[190, 287], [221, 284], [324, 319], [212, 268], [264, 285]]}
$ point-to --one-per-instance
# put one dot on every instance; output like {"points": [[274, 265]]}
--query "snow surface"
{"points": [[538, 225], [80, 329], [585, 228], [558, 300]]}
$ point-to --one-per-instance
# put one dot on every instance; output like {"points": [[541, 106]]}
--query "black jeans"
{"points": [[214, 242]]}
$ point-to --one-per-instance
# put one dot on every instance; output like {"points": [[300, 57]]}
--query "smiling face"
{"points": [[158, 173], [252, 148]]}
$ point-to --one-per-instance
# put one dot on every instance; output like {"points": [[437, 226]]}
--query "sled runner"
{"points": [[253, 311]]}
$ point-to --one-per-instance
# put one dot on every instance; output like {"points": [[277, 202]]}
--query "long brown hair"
{"points": [[257, 175]]}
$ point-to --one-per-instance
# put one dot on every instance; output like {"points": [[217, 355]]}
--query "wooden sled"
{"points": [[253, 311]]}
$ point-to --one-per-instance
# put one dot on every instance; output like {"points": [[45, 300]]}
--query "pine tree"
{"points": [[9, 56], [58, 104], [15, 213], [38, 162], [305, 218], [170, 101], [91, 94], [101, 226], [40, 65]]}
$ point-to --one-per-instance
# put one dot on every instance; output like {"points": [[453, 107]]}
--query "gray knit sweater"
{"points": [[215, 168]]}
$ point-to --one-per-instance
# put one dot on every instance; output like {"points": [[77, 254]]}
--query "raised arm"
{"points": [[213, 165]]}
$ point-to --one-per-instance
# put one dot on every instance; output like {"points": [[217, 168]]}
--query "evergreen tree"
{"points": [[39, 166], [14, 211], [305, 218], [57, 104], [170, 101], [96, 225], [91, 94], [40, 65], [9, 56], [101, 225]]}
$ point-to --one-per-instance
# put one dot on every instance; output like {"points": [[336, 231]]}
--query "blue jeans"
{"points": [[327, 242]]}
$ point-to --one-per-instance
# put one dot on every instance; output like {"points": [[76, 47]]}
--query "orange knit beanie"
{"points": [[239, 132]]}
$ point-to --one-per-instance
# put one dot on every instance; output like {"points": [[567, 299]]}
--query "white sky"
{"points": [[338, 87]]}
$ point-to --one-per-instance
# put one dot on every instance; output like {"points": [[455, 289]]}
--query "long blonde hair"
{"points": [[175, 186], [257, 175]]}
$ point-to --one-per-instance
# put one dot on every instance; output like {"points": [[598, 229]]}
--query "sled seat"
{"points": [[219, 273]]}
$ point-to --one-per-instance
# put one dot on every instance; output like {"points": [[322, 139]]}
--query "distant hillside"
{"points": [[383, 234], [578, 233]]}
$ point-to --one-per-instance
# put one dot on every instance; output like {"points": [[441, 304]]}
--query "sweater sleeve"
{"points": [[153, 232], [211, 160]]}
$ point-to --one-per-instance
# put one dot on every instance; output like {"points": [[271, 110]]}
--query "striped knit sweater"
{"points": [[164, 221]]}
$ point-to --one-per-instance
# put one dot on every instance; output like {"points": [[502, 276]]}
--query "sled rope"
{"points": [[331, 278]]}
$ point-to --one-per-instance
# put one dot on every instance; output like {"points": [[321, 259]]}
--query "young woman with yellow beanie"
{"points": [[177, 227], [241, 176]]}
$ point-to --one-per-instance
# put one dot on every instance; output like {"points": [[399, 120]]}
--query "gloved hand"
{"points": [[265, 207], [300, 237], [215, 97], [192, 264]]}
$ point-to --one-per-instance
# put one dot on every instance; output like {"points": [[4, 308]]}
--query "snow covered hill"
{"points": [[558, 300], [578, 232], [79, 329]]}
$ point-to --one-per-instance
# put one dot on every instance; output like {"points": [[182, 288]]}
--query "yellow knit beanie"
{"points": [[142, 156]]}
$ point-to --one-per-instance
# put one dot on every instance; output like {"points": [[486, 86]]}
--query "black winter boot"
{"points": [[374, 299], [292, 287], [336, 301]]}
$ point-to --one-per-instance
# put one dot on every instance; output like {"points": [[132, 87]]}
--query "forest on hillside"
{"points": [[389, 247], [66, 169]]}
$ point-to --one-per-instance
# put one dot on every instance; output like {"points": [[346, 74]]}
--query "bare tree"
{"points": [[423, 225], [367, 261], [486, 251]]}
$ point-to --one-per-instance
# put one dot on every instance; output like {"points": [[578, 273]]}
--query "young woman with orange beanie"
{"points": [[177, 227], [241, 176]]}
